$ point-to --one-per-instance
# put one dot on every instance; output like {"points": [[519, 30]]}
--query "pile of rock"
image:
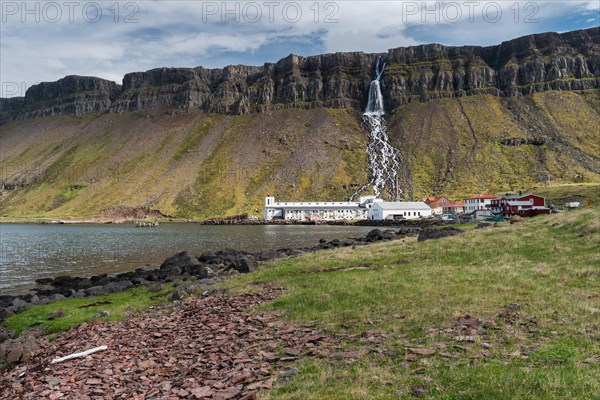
{"points": [[201, 348], [428, 234]]}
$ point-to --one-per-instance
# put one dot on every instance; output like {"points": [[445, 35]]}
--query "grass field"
{"points": [[559, 194], [549, 348], [533, 287], [119, 306]]}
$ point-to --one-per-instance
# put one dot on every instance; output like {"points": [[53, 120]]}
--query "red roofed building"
{"points": [[454, 208], [479, 202], [527, 205], [437, 203]]}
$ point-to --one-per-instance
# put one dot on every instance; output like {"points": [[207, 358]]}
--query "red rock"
{"points": [[241, 377], [292, 351], [350, 354], [421, 352], [202, 392], [250, 395], [202, 348], [227, 394]]}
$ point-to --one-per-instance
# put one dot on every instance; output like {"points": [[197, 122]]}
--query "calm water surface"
{"points": [[30, 251]]}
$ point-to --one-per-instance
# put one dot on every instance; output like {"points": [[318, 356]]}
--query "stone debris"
{"points": [[421, 352], [201, 348]]}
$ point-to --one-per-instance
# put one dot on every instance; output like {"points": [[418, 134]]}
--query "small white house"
{"points": [[399, 210]]}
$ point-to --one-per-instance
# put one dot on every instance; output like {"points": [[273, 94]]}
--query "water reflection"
{"points": [[29, 252]]}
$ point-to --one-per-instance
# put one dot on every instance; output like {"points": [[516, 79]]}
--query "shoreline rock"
{"points": [[205, 269]]}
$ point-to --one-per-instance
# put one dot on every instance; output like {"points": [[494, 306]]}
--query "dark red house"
{"points": [[527, 205]]}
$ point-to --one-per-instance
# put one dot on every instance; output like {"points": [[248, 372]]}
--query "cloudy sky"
{"points": [[47, 40]]}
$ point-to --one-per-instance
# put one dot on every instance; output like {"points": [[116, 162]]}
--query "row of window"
{"points": [[475, 201]]}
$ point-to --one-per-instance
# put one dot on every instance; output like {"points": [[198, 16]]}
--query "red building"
{"points": [[437, 203], [527, 205]]}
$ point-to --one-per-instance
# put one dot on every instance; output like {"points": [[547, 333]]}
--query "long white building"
{"points": [[318, 211], [368, 207]]}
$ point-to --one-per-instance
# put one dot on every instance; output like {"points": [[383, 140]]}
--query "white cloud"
{"points": [[191, 33]]}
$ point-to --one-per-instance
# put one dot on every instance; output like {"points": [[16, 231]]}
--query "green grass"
{"points": [[120, 306], [559, 194], [417, 291], [414, 294], [203, 166]]}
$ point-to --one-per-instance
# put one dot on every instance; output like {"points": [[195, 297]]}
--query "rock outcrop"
{"points": [[534, 63]]}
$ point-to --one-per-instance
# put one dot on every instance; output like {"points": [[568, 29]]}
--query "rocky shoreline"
{"points": [[190, 274], [195, 271]]}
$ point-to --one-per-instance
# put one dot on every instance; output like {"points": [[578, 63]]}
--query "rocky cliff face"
{"points": [[535, 63], [71, 95]]}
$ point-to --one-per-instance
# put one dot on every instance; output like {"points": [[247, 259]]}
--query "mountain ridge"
{"points": [[199, 143], [526, 65]]}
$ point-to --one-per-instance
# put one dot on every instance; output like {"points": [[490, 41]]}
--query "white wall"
{"points": [[378, 213]]}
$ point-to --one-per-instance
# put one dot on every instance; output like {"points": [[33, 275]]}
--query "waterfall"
{"points": [[383, 158]]}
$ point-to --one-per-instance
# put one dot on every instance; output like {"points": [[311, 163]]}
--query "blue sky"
{"points": [[47, 40]]}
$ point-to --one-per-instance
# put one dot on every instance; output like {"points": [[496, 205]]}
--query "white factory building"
{"points": [[318, 211], [399, 210], [368, 207]]}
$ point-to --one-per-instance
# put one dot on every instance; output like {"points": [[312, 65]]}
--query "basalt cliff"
{"points": [[211, 142]]}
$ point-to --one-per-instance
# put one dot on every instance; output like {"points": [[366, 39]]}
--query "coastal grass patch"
{"points": [[560, 194], [119, 307], [414, 293]]}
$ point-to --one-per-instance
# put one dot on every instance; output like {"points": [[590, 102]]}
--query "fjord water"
{"points": [[30, 251]]}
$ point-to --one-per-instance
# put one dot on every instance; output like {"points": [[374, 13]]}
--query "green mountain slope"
{"points": [[200, 165]]}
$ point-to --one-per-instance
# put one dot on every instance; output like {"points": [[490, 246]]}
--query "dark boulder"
{"points": [[182, 260], [5, 301], [207, 256], [375, 234], [138, 281], [19, 303], [56, 297], [79, 294], [245, 264], [96, 291], [99, 280], [116, 287], [427, 234], [83, 283], [175, 271], [64, 281]]}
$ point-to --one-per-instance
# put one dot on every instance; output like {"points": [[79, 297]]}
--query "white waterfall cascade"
{"points": [[384, 159]]}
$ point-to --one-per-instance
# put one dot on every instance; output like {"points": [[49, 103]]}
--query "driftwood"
{"points": [[81, 354]]}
